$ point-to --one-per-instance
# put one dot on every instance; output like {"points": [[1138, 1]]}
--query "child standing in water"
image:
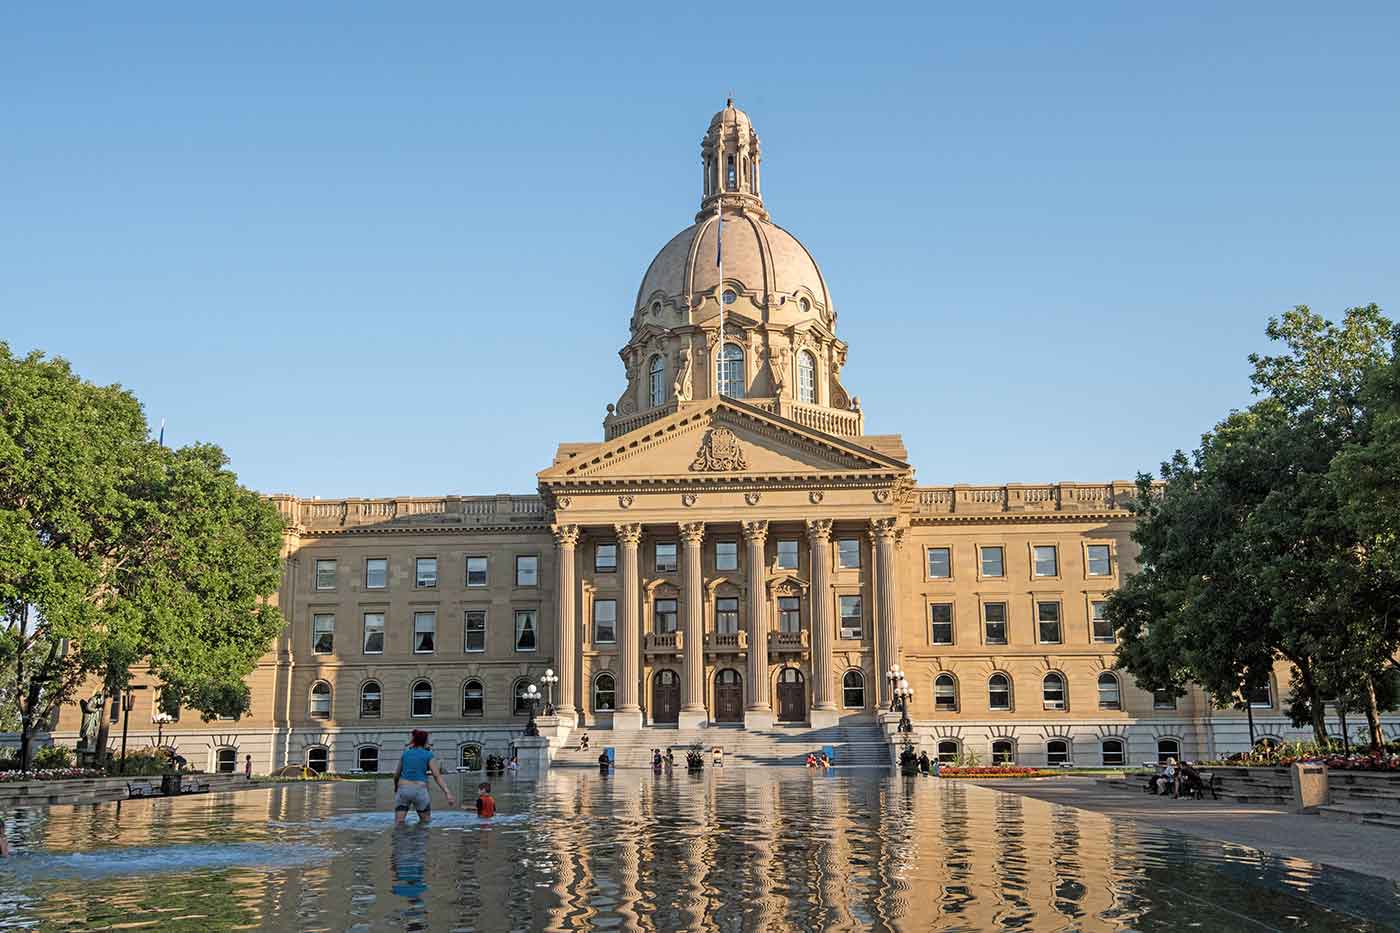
{"points": [[485, 803]]}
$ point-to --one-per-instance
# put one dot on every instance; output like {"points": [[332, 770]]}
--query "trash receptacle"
{"points": [[170, 784]]}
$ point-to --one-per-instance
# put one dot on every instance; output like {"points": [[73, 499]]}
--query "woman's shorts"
{"points": [[413, 798]]}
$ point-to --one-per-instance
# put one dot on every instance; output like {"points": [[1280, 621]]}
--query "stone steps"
{"points": [[1361, 813]]}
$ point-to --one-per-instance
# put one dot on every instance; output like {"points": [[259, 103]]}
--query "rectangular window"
{"points": [[425, 573], [476, 571], [1103, 629], [322, 634], [527, 570], [993, 562], [727, 615], [940, 620], [605, 622], [848, 553], [605, 558], [663, 620], [787, 555], [1047, 562], [1099, 562], [374, 633], [994, 620], [376, 573], [1163, 699], [1047, 617], [852, 625], [789, 614], [726, 555], [424, 632], [666, 557], [475, 629], [325, 574], [940, 564], [525, 630]]}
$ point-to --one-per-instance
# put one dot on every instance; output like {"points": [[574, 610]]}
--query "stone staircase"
{"points": [[859, 746], [1372, 798]]}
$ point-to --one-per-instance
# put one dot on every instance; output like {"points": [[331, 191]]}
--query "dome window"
{"points": [[656, 381], [731, 371], [731, 177], [804, 305], [730, 296], [806, 378], [656, 307]]}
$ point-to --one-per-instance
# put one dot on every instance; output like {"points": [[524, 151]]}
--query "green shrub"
{"points": [[53, 756], [144, 762], [9, 761]]}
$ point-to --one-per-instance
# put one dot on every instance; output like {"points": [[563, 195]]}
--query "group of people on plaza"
{"points": [[416, 765], [819, 759], [910, 763], [1176, 778]]}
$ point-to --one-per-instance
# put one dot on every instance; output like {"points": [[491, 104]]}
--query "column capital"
{"points": [[692, 532], [819, 529], [882, 529], [756, 531], [565, 535], [628, 533]]}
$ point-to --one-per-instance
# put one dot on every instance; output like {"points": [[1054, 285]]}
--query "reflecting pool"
{"points": [[744, 849]]}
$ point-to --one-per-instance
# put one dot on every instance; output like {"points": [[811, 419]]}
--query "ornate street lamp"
{"points": [[549, 680], [894, 675], [532, 697], [905, 693]]}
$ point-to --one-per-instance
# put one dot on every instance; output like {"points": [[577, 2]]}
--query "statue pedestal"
{"points": [[532, 755]]}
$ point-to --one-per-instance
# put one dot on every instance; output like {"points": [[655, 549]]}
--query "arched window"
{"points": [[470, 757], [604, 693], [1057, 752], [1110, 697], [999, 692], [948, 751], [1168, 748], [806, 378], [318, 759], [519, 690], [656, 381], [370, 700], [945, 694], [320, 700], [1113, 753], [422, 699], [226, 760], [731, 371], [1053, 690], [731, 178], [367, 759], [853, 690], [473, 698], [1003, 752]]}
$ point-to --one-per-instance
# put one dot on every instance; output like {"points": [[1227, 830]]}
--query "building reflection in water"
{"points": [[739, 849]]}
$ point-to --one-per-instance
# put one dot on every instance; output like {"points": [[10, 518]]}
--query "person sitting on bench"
{"points": [[1164, 780], [1196, 784]]}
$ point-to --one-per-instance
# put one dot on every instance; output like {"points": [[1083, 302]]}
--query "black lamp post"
{"points": [[549, 680], [532, 697], [905, 693]]}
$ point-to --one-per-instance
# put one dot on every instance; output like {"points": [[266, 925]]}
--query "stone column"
{"points": [[758, 712], [882, 536], [693, 629], [824, 711], [629, 630], [565, 622]]}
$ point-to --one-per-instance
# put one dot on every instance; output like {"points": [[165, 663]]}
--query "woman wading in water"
{"points": [[411, 780]]}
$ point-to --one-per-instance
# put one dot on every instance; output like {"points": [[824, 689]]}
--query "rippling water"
{"points": [[737, 850]]}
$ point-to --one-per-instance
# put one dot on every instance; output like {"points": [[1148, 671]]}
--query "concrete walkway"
{"points": [[1370, 850]]}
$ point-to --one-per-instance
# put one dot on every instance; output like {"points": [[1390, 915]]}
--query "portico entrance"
{"points": [[792, 696], [665, 697], [729, 696]]}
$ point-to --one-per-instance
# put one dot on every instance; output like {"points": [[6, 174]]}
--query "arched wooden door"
{"points": [[665, 697], [792, 696], [729, 696]]}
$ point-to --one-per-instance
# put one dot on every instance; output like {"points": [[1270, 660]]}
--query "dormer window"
{"points": [[731, 178], [656, 380]]}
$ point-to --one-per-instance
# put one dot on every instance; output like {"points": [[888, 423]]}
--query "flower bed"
{"points": [[1335, 761], [992, 771], [49, 774]]}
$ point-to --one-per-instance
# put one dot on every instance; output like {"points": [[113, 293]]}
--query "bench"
{"points": [[140, 789], [194, 785]]}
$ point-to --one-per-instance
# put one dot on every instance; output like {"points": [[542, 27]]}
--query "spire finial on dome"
{"points": [[731, 156]]}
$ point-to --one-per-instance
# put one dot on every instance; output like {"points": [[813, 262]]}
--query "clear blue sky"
{"points": [[393, 250]]}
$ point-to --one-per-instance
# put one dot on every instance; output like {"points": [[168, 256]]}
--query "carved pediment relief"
{"points": [[720, 452]]}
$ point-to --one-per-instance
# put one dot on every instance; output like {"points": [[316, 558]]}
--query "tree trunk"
{"points": [[1346, 738], [1315, 705], [1373, 715]]}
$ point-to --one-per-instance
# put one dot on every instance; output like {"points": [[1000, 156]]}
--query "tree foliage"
{"points": [[1251, 553], [116, 551]]}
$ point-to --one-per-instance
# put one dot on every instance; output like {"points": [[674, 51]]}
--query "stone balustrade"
{"points": [[1018, 497], [314, 514], [788, 642], [664, 643], [726, 642]]}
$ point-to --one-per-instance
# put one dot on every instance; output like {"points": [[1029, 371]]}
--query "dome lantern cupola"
{"points": [[731, 159]]}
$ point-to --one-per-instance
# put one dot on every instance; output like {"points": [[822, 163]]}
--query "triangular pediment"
{"points": [[720, 439]]}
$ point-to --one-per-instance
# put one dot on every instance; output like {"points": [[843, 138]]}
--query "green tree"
{"points": [[118, 552]]}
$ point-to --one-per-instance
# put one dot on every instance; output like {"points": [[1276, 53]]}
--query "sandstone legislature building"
{"points": [[736, 554]]}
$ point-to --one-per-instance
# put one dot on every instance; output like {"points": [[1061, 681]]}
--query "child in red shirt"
{"points": [[485, 803]]}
